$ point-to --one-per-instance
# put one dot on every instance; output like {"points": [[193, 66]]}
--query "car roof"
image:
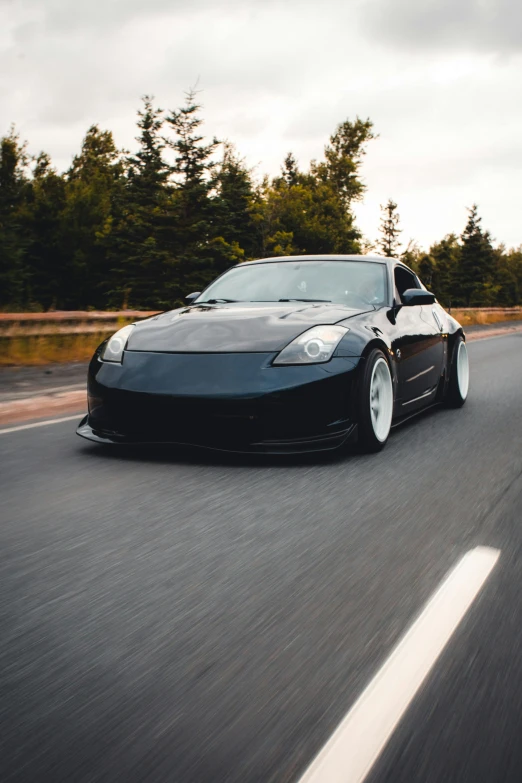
{"points": [[331, 257]]}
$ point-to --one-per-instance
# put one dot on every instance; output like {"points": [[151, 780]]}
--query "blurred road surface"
{"points": [[21, 382], [197, 619]]}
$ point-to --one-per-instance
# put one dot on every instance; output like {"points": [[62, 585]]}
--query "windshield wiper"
{"points": [[304, 300], [217, 301]]}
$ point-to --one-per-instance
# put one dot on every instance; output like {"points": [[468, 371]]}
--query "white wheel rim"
{"points": [[463, 370], [381, 400]]}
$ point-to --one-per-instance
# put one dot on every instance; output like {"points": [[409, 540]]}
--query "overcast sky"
{"points": [[441, 80]]}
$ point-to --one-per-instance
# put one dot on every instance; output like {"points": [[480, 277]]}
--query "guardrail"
{"points": [[67, 322], [469, 316], [59, 336]]}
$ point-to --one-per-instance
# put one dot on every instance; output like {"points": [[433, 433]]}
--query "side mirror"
{"points": [[417, 296], [190, 297]]}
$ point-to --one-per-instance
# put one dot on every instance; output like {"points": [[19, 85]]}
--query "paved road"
{"points": [[192, 619], [19, 382]]}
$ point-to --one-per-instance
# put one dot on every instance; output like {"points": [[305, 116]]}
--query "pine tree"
{"points": [[98, 155], [14, 189], [44, 222], [445, 256], [344, 155], [389, 242], [138, 254], [426, 270], [508, 276], [193, 205], [234, 205], [413, 255], [148, 172], [316, 217], [92, 184], [477, 263], [290, 170]]}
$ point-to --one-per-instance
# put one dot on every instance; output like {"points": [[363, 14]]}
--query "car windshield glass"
{"points": [[352, 283]]}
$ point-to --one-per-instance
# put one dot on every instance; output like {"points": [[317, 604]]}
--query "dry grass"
{"points": [[481, 316], [30, 339], [47, 349]]}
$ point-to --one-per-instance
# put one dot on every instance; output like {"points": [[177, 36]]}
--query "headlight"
{"points": [[314, 346], [113, 351]]}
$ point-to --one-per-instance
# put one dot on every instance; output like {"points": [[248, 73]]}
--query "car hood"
{"points": [[234, 328]]}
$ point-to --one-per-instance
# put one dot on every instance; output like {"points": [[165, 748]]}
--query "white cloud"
{"points": [[280, 76], [473, 25]]}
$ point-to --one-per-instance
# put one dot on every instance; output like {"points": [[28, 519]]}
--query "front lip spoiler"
{"points": [[295, 446]]}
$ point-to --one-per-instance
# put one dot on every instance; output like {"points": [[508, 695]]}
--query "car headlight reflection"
{"points": [[113, 351], [312, 347]]}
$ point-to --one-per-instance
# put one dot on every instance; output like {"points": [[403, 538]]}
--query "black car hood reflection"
{"points": [[234, 328]]}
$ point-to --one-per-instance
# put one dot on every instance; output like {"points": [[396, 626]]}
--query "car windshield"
{"points": [[351, 283]]}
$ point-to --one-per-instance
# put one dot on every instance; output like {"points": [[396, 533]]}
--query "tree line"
{"points": [[143, 229], [465, 271]]}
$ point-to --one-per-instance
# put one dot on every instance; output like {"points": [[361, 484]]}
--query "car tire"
{"points": [[458, 382], [375, 403]]}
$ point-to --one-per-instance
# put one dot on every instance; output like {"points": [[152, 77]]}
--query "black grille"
{"points": [[184, 420]]}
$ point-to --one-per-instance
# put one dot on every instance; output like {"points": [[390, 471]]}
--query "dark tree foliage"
{"points": [[234, 202], [343, 159], [15, 273], [290, 171], [192, 208], [44, 223], [445, 261], [139, 260], [474, 279], [312, 212], [389, 240], [92, 185], [508, 277], [144, 229], [468, 271]]}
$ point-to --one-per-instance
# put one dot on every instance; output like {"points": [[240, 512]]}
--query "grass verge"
{"points": [[483, 316], [33, 350]]}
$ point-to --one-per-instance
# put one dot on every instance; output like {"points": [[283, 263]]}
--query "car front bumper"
{"points": [[232, 402]]}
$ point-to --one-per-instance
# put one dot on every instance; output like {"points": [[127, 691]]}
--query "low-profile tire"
{"points": [[458, 383], [375, 402]]}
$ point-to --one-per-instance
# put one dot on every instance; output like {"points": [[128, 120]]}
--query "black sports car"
{"points": [[281, 355]]}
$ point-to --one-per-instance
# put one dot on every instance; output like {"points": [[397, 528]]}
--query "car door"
{"points": [[418, 347]]}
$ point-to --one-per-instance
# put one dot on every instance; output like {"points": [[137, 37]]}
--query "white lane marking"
{"points": [[355, 745], [45, 423]]}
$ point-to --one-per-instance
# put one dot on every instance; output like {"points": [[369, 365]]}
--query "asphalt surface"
{"points": [[189, 617], [21, 382]]}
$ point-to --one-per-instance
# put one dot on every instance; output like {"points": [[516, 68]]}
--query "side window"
{"points": [[404, 280]]}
